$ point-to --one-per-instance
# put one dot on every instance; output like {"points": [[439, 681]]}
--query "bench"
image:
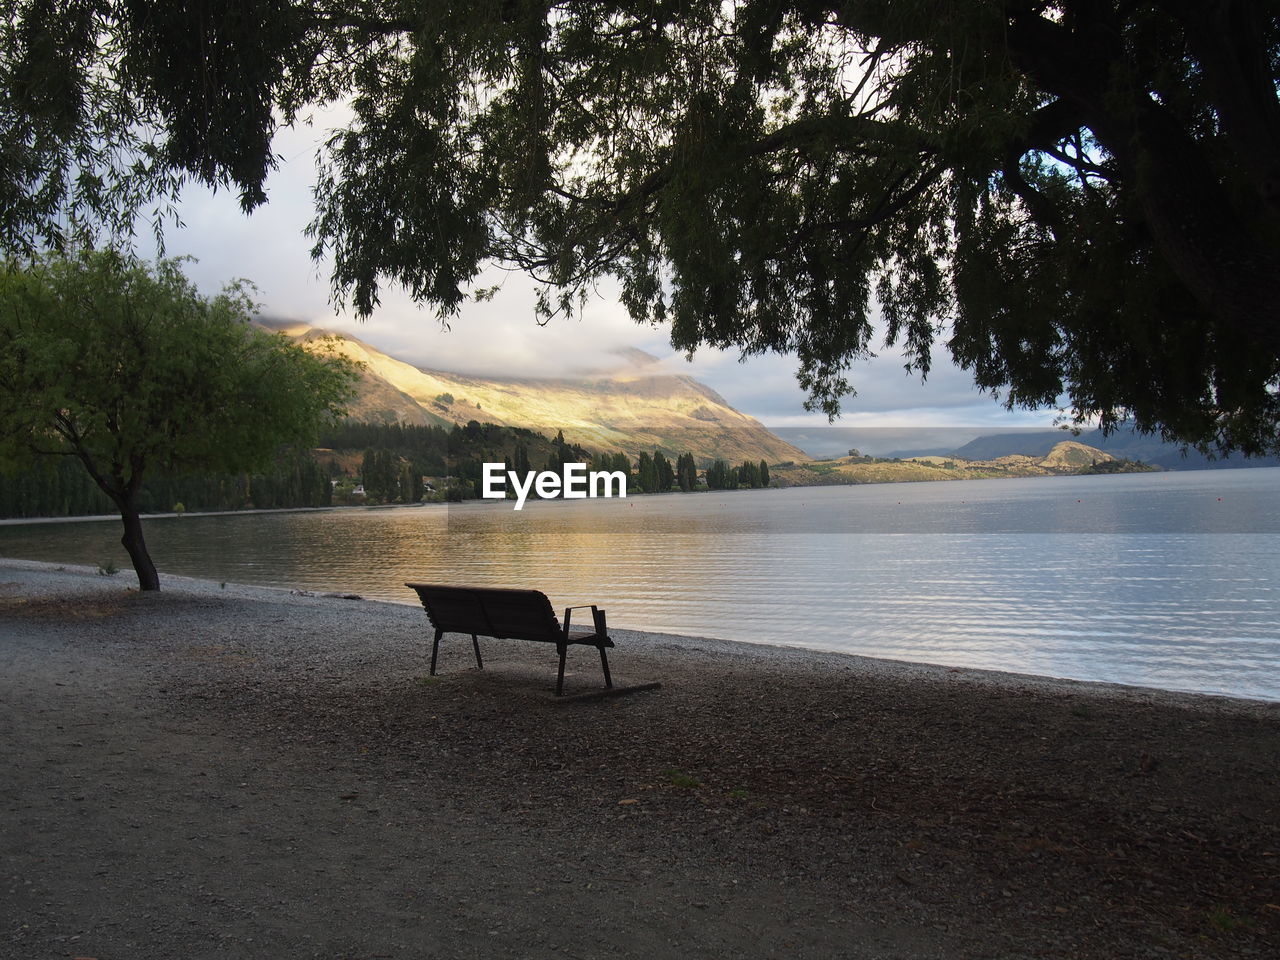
{"points": [[507, 614]]}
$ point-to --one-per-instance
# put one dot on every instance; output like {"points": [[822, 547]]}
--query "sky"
{"points": [[501, 336]]}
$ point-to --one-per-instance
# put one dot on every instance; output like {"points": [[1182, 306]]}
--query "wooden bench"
{"points": [[509, 615]]}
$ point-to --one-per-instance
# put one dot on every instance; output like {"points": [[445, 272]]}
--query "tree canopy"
{"points": [[1080, 198], [128, 369]]}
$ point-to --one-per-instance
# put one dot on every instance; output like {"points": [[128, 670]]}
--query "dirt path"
{"points": [[247, 773]]}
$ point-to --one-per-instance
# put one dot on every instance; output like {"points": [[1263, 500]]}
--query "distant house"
{"points": [[345, 492]]}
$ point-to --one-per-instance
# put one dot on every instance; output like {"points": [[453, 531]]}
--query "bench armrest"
{"points": [[597, 616]]}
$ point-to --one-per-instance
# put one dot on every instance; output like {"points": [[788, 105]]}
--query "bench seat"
{"points": [[509, 614]]}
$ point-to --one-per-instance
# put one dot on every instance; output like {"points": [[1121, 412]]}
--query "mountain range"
{"points": [[633, 408]]}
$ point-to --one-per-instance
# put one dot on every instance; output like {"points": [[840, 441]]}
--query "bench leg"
{"points": [[435, 649], [475, 645], [604, 662], [563, 649]]}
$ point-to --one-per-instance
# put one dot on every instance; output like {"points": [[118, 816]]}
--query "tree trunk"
{"points": [[133, 542]]}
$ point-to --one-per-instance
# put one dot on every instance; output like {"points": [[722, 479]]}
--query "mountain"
{"points": [[1070, 455], [631, 409], [1123, 444]]}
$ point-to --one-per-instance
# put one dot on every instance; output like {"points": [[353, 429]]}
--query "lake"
{"points": [[1169, 580]]}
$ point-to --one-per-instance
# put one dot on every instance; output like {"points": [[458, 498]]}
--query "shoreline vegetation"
{"points": [[272, 772], [360, 464]]}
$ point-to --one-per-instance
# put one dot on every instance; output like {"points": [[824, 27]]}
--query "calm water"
{"points": [[1168, 580]]}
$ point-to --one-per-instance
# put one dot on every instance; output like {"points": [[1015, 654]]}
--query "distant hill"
{"points": [[1071, 455], [628, 410], [1011, 444], [1064, 458], [1123, 444]]}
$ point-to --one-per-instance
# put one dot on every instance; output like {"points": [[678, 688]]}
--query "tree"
{"points": [[646, 473], [127, 369], [764, 474], [561, 453], [369, 478], [388, 476], [666, 474], [409, 482], [1081, 198], [621, 463], [686, 472], [718, 475], [377, 475], [523, 466]]}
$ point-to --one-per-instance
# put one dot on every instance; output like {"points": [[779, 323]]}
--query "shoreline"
{"points": [[250, 771], [762, 653], [102, 517]]}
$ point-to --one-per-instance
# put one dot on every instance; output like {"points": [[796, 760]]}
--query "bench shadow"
{"points": [[532, 682]]}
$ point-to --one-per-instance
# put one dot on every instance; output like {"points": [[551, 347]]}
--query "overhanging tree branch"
{"points": [[1132, 145]]}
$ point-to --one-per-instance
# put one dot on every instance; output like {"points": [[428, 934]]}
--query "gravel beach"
{"points": [[226, 771]]}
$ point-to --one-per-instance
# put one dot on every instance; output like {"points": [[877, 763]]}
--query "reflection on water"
{"points": [[1164, 580]]}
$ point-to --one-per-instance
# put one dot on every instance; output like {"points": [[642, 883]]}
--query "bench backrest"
{"points": [[490, 611]]}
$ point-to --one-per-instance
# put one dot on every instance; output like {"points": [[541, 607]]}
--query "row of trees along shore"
{"points": [[397, 456], [63, 488], [389, 460], [452, 459]]}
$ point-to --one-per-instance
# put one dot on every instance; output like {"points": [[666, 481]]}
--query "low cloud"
{"points": [[502, 336]]}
